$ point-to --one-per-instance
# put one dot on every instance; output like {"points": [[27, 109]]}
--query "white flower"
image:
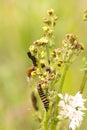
{"points": [[72, 108]]}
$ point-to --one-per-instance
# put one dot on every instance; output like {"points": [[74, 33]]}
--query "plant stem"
{"points": [[53, 126], [46, 121], [61, 85], [83, 82], [62, 79], [64, 74]]}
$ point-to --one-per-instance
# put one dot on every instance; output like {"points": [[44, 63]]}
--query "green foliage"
{"points": [[20, 24]]}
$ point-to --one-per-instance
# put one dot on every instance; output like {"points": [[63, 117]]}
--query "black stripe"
{"points": [[33, 58], [43, 98]]}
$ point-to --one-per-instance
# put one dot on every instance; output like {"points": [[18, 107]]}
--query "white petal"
{"points": [[60, 95]]}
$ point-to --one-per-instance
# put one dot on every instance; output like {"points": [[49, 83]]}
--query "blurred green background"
{"points": [[21, 24]]}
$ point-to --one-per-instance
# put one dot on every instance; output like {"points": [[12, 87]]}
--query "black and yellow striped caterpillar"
{"points": [[33, 58], [43, 97]]}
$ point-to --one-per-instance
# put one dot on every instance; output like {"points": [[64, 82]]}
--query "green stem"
{"points": [[83, 82], [62, 79], [61, 84], [64, 73], [46, 121], [53, 126]]}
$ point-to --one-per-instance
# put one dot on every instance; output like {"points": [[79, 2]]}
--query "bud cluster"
{"points": [[70, 47]]}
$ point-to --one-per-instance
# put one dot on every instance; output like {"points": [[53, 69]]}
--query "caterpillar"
{"points": [[30, 70], [32, 57], [34, 101], [43, 97]]}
